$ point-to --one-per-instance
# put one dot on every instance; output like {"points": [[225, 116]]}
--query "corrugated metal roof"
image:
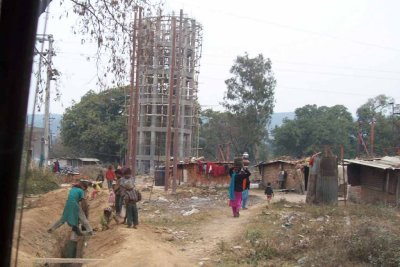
{"points": [[278, 161], [391, 163], [89, 159]]}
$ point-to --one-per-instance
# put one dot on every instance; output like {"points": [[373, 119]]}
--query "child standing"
{"points": [[269, 192], [131, 197], [96, 189], [111, 196]]}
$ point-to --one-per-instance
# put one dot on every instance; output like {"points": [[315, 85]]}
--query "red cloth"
{"points": [[110, 175]]}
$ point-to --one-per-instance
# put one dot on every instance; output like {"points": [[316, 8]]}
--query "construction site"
{"points": [[164, 109], [160, 202]]}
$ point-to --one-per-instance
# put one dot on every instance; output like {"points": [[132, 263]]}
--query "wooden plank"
{"points": [[65, 260]]}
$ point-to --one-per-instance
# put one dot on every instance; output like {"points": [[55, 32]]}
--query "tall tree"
{"points": [[250, 98], [109, 24], [96, 126], [379, 112], [312, 128], [215, 128]]}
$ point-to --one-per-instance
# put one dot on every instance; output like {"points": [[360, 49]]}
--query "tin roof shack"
{"points": [[293, 181], [204, 173], [375, 180], [76, 162]]}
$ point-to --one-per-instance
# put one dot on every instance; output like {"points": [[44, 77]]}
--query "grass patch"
{"points": [[353, 235], [40, 181]]}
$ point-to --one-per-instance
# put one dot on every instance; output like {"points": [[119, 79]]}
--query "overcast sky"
{"points": [[322, 52]]}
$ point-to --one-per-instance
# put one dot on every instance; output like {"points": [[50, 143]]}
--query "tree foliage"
{"points": [[314, 127], [109, 24], [250, 100], [96, 126], [379, 110]]}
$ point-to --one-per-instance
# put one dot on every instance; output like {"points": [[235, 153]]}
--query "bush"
{"points": [[376, 246], [40, 181]]}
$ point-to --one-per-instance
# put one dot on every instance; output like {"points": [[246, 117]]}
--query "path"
{"points": [[224, 228]]}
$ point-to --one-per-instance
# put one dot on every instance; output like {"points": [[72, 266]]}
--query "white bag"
{"points": [[123, 211]]}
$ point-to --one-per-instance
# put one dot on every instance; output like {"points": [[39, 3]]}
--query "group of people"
{"points": [[240, 184], [122, 194]]}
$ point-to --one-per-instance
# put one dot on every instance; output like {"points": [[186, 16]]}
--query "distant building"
{"points": [[295, 172], [373, 181], [76, 162]]}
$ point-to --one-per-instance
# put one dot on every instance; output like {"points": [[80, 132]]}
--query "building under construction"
{"points": [[165, 73]]}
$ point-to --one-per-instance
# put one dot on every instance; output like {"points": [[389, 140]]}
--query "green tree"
{"points": [[213, 132], [250, 100], [378, 111], [96, 126], [314, 127]]}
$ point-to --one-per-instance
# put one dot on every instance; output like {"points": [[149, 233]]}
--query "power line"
{"points": [[294, 28], [337, 74], [348, 92]]}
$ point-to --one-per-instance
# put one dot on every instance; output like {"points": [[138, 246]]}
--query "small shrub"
{"points": [[40, 181], [370, 244], [253, 235]]}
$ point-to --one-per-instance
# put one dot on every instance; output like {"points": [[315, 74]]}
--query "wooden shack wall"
{"points": [[271, 171], [375, 185], [194, 178]]}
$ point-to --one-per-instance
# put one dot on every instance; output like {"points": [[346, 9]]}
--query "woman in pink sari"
{"points": [[236, 188]]}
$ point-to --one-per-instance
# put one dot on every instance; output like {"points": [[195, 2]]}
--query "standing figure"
{"points": [[236, 189], [269, 192], [246, 188], [131, 197], [281, 179], [118, 192], [110, 176], [246, 181], [56, 167], [126, 178], [73, 213]]}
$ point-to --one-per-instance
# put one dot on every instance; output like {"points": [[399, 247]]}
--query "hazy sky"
{"points": [[322, 52]]}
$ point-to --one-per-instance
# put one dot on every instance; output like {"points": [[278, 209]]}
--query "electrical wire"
{"points": [[294, 28]]}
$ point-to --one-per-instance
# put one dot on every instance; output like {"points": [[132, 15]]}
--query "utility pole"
{"points": [[372, 137], [46, 136]]}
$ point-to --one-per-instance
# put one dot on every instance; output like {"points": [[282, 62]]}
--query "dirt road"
{"points": [[146, 247], [164, 238]]}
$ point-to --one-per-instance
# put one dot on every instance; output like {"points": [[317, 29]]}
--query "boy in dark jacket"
{"points": [[269, 192], [130, 198]]}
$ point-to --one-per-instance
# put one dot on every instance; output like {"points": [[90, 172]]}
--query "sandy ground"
{"points": [[147, 245]]}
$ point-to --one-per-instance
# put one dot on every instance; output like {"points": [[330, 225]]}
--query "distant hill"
{"points": [[277, 119], [55, 120]]}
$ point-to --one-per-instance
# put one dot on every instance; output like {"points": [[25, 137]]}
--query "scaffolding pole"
{"points": [[177, 107], [137, 93], [131, 115], [170, 96]]}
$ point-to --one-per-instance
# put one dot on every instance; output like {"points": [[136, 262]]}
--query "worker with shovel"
{"points": [[73, 213]]}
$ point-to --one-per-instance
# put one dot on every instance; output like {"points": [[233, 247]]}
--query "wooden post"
{"points": [[387, 185], [398, 190]]}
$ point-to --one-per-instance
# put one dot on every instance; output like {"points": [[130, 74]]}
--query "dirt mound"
{"points": [[174, 230], [123, 246]]}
